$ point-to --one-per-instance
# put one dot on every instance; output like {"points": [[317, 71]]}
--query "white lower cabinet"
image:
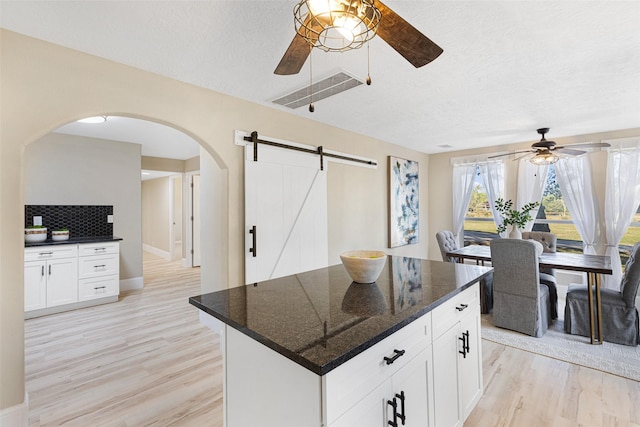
{"points": [[99, 270], [63, 277], [50, 277], [406, 399], [457, 361]]}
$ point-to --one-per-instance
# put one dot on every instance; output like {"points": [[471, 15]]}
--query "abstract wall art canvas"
{"points": [[403, 202]]}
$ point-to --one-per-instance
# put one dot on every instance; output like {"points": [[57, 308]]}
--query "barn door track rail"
{"points": [[318, 150]]}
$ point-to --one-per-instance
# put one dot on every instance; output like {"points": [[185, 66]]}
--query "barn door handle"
{"points": [[254, 249]]}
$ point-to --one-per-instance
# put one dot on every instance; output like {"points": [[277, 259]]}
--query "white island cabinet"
{"points": [[362, 392], [457, 358], [296, 355]]}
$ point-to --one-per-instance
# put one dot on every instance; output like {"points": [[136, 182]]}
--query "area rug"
{"points": [[615, 359]]}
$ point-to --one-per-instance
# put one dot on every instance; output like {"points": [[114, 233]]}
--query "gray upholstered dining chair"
{"points": [[619, 313], [549, 243], [520, 302], [447, 243]]}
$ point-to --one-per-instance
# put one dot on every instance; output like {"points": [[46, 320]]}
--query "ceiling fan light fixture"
{"points": [[336, 25], [544, 157]]}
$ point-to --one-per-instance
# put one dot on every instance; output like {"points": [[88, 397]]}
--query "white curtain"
{"points": [[622, 199], [462, 186], [576, 185], [492, 173], [531, 182]]}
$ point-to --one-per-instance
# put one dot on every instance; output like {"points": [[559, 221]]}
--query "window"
{"points": [[479, 226], [630, 238], [554, 216]]}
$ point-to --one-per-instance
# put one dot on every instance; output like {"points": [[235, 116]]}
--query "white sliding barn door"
{"points": [[286, 202]]}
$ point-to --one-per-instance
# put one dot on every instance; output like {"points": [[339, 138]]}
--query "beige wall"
{"points": [[46, 86], [72, 170], [155, 213], [440, 195], [163, 164]]}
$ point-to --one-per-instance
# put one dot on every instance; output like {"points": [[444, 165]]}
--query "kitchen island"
{"points": [[316, 349]]}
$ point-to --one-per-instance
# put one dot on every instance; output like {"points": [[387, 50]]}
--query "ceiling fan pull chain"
{"points": [[312, 108], [368, 65]]}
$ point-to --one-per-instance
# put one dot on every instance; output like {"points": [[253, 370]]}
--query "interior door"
{"points": [[195, 218], [285, 213]]}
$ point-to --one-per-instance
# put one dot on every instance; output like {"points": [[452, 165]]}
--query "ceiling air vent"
{"points": [[322, 89]]}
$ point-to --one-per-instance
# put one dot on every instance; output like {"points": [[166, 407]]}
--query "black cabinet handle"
{"points": [[402, 415], [42, 271], [254, 249], [394, 405], [465, 344], [49, 269], [397, 354], [462, 307]]}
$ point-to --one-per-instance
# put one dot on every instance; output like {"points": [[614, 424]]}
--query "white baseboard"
{"points": [[130, 284], [16, 416], [159, 252]]}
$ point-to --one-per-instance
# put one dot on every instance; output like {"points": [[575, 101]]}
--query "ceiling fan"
{"points": [[339, 25], [545, 150]]}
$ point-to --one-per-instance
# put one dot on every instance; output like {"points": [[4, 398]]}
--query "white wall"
{"points": [[155, 215], [72, 170]]}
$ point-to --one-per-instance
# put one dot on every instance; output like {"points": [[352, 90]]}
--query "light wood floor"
{"points": [[146, 361], [143, 361]]}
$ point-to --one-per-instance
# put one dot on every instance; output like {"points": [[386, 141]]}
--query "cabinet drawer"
{"points": [[451, 311], [96, 266], [98, 288], [350, 382], [50, 252], [99, 248]]}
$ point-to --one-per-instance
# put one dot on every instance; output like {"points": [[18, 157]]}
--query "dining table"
{"points": [[593, 265]]}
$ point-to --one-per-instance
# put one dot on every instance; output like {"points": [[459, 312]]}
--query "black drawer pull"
{"points": [[397, 354], [462, 307]]}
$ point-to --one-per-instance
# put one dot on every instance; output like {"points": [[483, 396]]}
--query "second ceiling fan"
{"points": [[319, 23], [544, 150]]}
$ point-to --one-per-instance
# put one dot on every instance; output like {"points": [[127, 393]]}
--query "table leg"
{"points": [[595, 319], [598, 307]]}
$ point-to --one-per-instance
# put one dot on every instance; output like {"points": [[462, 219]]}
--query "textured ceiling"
{"points": [[508, 67]]}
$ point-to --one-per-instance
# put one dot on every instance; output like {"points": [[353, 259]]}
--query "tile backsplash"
{"points": [[81, 220]]}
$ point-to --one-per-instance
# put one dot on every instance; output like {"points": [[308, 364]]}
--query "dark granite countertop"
{"points": [[320, 319], [74, 241]]}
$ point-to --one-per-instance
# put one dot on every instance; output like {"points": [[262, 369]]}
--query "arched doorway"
{"points": [[115, 169], [90, 165]]}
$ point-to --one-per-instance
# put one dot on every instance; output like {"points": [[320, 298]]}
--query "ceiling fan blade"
{"points": [[294, 58], [569, 151], [414, 46], [297, 52], [530, 154], [511, 153], [588, 145]]}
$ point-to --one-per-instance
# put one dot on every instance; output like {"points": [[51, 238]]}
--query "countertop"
{"points": [[74, 241], [321, 319]]}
